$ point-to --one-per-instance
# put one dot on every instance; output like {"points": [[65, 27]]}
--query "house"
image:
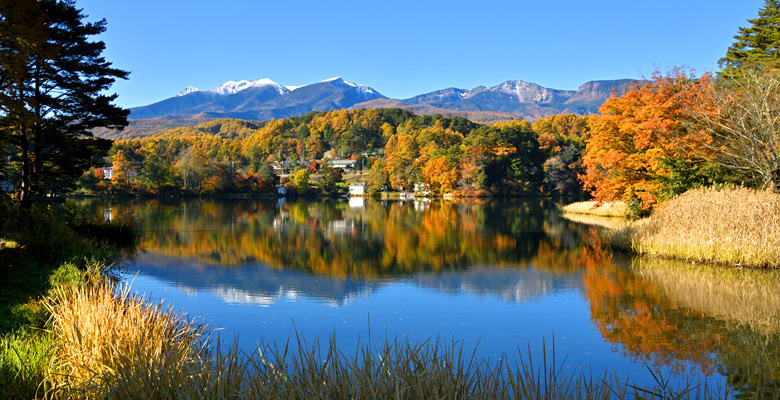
{"points": [[108, 172], [346, 165], [357, 189], [280, 166], [421, 189]]}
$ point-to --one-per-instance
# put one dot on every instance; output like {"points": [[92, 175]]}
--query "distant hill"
{"points": [[264, 99]]}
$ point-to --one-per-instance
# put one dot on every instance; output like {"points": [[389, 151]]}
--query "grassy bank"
{"points": [[730, 226], [44, 249], [739, 227], [592, 208]]}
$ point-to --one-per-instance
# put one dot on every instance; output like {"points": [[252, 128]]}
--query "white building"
{"points": [[357, 189], [346, 165]]}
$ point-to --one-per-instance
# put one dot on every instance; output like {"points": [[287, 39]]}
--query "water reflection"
{"points": [[333, 238], [476, 259]]}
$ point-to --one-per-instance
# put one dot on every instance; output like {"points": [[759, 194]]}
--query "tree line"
{"points": [[395, 149]]}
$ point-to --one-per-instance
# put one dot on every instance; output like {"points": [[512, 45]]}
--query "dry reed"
{"points": [[732, 226], [101, 334], [608, 209]]}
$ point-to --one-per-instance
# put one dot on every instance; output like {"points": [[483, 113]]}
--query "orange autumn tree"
{"points": [[640, 149]]}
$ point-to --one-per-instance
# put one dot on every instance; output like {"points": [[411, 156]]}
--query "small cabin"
{"points": [[108, 172]]}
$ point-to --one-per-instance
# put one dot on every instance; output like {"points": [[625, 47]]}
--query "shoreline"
{"points": [[730, 227]]}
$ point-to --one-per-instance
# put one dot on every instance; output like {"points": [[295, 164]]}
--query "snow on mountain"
{"points": [[364, 91], [187, 90], [231, 87], [520, 91]]}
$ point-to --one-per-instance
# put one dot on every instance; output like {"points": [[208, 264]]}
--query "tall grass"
{"points": [[101, 335], [111, 345], [732, 226]]}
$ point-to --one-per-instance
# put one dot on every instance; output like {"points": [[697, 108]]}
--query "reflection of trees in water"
{"points": [[659, 326], [328, 237], [746, 304]]}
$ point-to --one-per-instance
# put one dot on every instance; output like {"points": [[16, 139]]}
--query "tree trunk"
{"points": [[26, 194]]}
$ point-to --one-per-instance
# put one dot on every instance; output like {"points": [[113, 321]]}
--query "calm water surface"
{"points": [[495, 275]]}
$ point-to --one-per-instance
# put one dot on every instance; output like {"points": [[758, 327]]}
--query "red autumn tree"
{"points": [[640, 139]]}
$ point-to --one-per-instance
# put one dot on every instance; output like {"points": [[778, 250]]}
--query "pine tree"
{"points": [[757, 46], [52, 84]]}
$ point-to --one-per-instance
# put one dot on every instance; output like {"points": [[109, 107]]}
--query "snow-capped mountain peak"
{"points": [[187, 90], [523, 92], [364, 91], [232, 87]]}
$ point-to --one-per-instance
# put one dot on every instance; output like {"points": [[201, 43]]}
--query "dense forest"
{"points": [[394, 150]]}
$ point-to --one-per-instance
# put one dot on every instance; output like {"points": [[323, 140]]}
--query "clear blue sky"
{"points": [[403, 48]]}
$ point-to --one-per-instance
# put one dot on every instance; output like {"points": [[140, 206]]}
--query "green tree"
{"points": [[301, 181], [266, 172], [303, 132], [377, 180], [506, 156], [756, 46], [157, 172], [52, 84], [330, 178]]}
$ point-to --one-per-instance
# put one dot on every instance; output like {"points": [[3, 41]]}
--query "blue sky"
{"points": [[403, 48]]}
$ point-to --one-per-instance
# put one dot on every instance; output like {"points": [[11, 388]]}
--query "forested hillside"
{"points": [[395, 150]]}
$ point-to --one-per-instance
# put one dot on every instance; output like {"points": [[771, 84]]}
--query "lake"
{"points": [[500, 276]]}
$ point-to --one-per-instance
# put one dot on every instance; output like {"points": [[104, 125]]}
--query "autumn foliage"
{"points": [[640, 139]]}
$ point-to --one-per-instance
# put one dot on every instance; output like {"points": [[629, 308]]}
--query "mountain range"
{"points": [[265, 99]]}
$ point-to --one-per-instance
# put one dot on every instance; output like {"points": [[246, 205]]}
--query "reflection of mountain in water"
{"points": [[256, 284], [509, 284], [260, 284]]}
